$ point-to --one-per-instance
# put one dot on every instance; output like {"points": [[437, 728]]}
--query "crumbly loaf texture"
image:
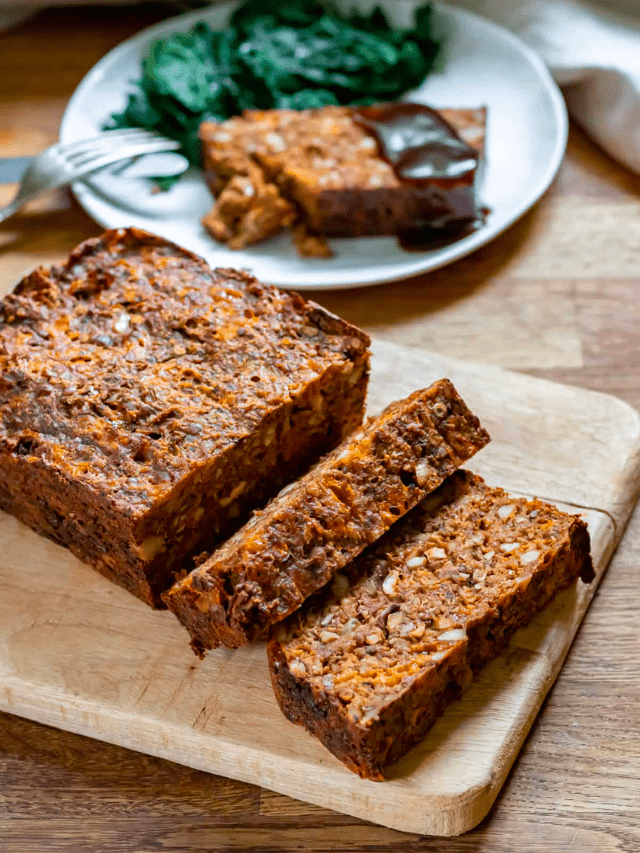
{"points": [[268, 169], [149, 403], [317, 525], [368, 665]]}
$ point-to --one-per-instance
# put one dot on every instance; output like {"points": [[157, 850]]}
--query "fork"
{"points": [[63, 164]]}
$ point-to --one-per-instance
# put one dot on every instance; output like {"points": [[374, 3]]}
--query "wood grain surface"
{"points": [[556, 296]]}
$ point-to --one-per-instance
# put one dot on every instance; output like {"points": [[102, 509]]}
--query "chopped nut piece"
{"points": [[368, 143], [315, 667], [423, 469], [151, 547], [328, 636], [529, 557], [437, 554], [440, 410], [349, 627], [368, 715], [394, 620], [122, 323], [453, 636], [297, 667], [390, 582]]}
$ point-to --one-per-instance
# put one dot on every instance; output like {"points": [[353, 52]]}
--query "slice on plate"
{"points": [[341, 171]]}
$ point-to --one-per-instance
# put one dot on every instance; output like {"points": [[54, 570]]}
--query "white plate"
{"points": [[483, 64]]}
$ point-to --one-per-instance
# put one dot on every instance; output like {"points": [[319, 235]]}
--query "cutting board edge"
{"points": [[449, 814]]}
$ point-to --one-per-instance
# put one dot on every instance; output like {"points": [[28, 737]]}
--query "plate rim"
{"points": [[86, 196]]}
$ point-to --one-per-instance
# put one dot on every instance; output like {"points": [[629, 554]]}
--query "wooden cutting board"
{"points": [[81, 654]]}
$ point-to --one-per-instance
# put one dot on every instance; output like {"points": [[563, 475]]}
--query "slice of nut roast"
{"points": [[318, 524], [368, 663]]}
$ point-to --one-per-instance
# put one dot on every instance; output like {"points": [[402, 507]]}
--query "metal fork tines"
{"points": [[64, 163]]}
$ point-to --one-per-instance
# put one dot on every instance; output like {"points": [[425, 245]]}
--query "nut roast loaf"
{"points": [[148, 403]]}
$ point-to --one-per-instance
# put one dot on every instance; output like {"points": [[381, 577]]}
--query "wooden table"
{"points": [[557, 296]]}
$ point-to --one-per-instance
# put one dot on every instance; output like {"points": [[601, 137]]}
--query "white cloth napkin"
{"points": [[593, 52]]}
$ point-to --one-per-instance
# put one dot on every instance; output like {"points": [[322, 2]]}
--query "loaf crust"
{"points": [[317, 525], [369, 664], [270, 168], [148, 403]]}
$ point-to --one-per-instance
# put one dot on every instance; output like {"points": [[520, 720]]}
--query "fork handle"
{"points": [[13, 168]]}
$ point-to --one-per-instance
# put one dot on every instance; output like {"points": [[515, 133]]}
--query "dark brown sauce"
{"points": [[426, 238], [426, 153], [419, 144]]}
